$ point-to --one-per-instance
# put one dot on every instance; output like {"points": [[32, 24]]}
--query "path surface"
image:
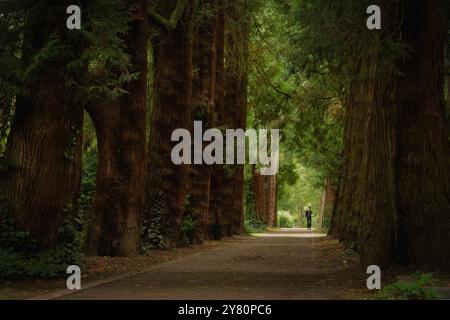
{"points": [[286, 264]]}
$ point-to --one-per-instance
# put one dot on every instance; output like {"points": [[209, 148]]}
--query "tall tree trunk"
{"points": [[328, 201], [203, 94], [406, 212], [366, 207], [366, 200], [121, 133], [238, 196], [259, 197], [346, 216], [227, 181], [272, 196], [265, 198], [44, 145], [167, 184], [377, 204], [216, 209], [423, 160], [322, 205], [401, 194], [365, 212], [236, 83]]}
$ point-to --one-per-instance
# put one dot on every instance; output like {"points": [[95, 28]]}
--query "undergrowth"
{"points": [[419, 289]]}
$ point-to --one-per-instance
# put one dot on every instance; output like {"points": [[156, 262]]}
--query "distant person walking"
{"points": [[308, 215]]}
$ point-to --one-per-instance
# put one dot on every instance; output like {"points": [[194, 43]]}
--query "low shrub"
{"points": [[419, 289], [285, 220], [20, 258], [254, 226]]}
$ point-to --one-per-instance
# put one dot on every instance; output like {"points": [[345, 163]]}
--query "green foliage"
{"points": [[285, 220], [302, 57], [151, 236], [88, 181], [419, 289], [187, 229], [97, 48], [292, 87], [326, 223], [71, 148], [6, 113], [151, 227], [251, 223], [20, 257], [304, 192], [254, 226], [205, 11], [188, 223]]}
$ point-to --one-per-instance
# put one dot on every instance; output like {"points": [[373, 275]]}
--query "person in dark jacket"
{"points": [[308, 215]]}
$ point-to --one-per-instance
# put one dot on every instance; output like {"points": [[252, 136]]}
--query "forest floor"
{"points": [[280, 264], [97, 270]]}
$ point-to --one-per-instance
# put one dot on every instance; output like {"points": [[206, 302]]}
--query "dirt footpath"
{"points": [[284, 264]]}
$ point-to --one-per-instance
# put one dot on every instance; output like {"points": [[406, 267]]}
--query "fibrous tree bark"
{"points": [[407, 207], [265, 198], [328, 201], [345, 217], [216, 206], [423, 152], [259, 203], [44, 144], [167, 183], [203, 96], [395, 201], [236, 83], [228, 180], [377, 201], [121, 132], [272, 194], [364, 217]]}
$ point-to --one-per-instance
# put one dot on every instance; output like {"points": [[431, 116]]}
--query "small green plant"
{"points": [[419, 289], [152, 239], [152, 226], [69, 153], [254, 226], [187, 229]]}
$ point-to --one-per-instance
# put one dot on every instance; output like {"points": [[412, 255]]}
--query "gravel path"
{"points": [[285, 264]]}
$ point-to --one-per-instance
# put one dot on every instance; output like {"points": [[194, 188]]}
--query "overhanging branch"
{"points": [[172, 22]]}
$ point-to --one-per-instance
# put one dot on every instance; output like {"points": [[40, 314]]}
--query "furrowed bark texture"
{"points": [[44, 145], [265, 198], [215, 216], [423, 161], [167, 184], [121, 132], [236, 83], [203, 93], [394, 192]]}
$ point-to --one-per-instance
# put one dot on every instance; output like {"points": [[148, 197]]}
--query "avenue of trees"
{"points": [[86, 119]]}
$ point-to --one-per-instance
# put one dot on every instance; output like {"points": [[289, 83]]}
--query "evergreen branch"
{"points": [[169, 24]]}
